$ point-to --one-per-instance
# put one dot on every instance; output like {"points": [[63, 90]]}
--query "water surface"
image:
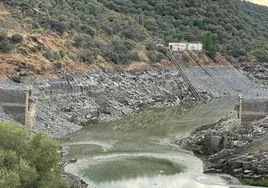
{"points": [[137, 151]]}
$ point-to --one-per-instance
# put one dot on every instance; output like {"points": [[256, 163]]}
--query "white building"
{"points": [[185, 46]]}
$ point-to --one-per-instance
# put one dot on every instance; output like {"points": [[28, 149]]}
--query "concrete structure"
{"points": [[254, 109], [220, 78], [240, 108], [16, 100], [185, 46]]}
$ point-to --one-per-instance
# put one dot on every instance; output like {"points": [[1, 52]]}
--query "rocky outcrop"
{"points": [[233, 149], [74, 181], [258, 73], [65, 105]]}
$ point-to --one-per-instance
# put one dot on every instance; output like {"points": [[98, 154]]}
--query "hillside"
{"points": [[53, 36]]}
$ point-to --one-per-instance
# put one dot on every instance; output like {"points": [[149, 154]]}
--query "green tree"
{"points": [[27, 161], [209, 44]]}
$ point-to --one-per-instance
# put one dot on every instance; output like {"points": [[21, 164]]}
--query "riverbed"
{"points": [[137, 150]]}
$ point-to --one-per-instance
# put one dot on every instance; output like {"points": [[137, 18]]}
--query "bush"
{"points": [[121, 51], [5, 46], [51, 56], [185, 58], [58, 65], [251, 182], [3, 36], [78, 42], [89, 30], [162, 49], [62, 53], [155, 56], [16, 38], [27, 161], [150, 46], [58, 26], [39, 30], [86, 56]]}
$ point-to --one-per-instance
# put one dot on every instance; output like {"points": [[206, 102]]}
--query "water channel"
{"points": [[137, 151]]}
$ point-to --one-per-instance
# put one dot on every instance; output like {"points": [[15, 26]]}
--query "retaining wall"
{"points": [[13, 102], [254, 109], [17, 102]]}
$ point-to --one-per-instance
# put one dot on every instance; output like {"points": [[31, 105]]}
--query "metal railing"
{"points": [[185, 78]]}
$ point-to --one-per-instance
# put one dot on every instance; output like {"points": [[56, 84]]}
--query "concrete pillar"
{"points": [[26, 106], [240, 98], [30, 110]]}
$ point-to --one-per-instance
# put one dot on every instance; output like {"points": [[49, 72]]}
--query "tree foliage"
{"points": [[209, 44], [241, 28], [27, 161]]}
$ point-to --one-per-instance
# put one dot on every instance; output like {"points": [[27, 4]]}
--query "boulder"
{"points": [[246, 165], [73, 160]]}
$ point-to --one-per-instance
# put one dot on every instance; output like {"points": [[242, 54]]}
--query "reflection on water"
{"points": [[136, 151]]}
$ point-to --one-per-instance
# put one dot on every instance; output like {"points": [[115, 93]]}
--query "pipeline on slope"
{"points": [[185, 78]]}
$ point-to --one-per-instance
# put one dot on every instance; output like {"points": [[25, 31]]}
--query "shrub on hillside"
{"points": [[155, 56], [5, 45], [3, 36], [86, 56], [62, 53], [150, 46], [58, 26], [28, 161], [16, 38], [51, 56], [122, 51]]}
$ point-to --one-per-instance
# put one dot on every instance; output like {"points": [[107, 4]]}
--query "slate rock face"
{"points": [[66, 104]]}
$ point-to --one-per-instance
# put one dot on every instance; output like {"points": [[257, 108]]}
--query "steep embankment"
{"points": [[217, 76], [104, 95]]}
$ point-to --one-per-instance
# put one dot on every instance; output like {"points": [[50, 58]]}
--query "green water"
{"points": [[137, 151]]}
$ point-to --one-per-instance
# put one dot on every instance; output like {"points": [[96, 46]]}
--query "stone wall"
{"points": [[16, 101]]}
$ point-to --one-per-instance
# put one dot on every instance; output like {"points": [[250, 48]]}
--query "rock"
{"points": [[237, 171], [265, 154], [261, 170], [247, 171], [74, 181], [212, 143], [246, 165], [210, 170], [73, 160], [16, 79], [264, 162], [265, 125]]}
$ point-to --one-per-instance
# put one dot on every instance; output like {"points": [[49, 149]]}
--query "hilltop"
{"points": [[50, 37]]}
